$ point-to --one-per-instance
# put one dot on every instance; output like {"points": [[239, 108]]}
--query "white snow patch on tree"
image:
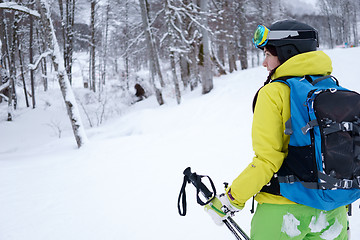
{"points": [[333, 232], [290, 225], [316, 225]]}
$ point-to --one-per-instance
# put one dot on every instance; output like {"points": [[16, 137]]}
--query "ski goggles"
{"points": [[262, 35]]}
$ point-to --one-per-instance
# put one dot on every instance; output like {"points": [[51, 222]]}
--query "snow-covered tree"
{"points": [[92, 50], [152, 51], [67, 15], [57, 60], [172, 34], [206, 68]]}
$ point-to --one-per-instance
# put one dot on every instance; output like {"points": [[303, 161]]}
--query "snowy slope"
{"points": [[125, 182]]}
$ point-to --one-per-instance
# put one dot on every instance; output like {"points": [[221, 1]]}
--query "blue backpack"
{"points": [[322, 169]]}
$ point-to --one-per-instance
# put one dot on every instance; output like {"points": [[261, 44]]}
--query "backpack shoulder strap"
{"points": [[281, 79], [323, 78]]}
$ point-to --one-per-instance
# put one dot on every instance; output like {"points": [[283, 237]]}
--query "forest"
{"points": [[161, 47]]}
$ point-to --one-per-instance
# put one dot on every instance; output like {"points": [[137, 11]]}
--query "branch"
{"points": [[17, 7], [36, 64], [132, 43], [5, 97], [4, 86]]}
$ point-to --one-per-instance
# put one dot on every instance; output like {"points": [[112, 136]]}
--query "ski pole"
{"points": [[195, 179], [237, 227], [231, 228]]}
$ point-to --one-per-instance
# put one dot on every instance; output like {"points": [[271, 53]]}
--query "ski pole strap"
{"points": [[182, 198], [195, 179], [205, 191]]}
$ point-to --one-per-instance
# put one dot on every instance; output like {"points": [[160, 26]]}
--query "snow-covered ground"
{"points": [[125, 182]]}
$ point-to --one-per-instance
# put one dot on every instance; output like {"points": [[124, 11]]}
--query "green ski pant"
{"points": [[296, 221]]}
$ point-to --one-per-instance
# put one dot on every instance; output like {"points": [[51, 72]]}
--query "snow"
{"points": [[124, 183], [290, 225], [316, 225], [333, 232]]}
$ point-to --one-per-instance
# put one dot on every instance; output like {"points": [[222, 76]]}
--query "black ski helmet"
{"points": [[305, 41]]}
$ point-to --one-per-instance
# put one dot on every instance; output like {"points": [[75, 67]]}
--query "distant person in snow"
{"points": [[290, 49], [140, 92]]}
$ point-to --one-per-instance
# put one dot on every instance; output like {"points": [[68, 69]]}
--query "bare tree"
{"points": [[171, 27], [240, 10], [67, 14], [325, 9], [207, 73], [12, 95], [190, 72], [153, 56], [57, 60], [22, 72], [104, 45], [92, 67]]}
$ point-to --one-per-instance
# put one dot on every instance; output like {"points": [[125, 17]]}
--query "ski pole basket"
{"points": [[195, 179]]}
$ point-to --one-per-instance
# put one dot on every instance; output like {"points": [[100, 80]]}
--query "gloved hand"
{"points": [[220, 208]]}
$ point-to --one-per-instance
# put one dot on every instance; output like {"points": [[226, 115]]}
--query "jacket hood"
{"points": [[309, 63]]}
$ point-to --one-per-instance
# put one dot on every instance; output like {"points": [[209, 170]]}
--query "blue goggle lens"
{"points": [[260, 36]]}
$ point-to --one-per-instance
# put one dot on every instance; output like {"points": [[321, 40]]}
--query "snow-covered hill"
{"points": [[125, 182]]}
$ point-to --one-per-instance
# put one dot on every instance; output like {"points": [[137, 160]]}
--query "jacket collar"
{"points": [[309, 63]]}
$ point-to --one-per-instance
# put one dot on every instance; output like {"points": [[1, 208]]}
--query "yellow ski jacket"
{"points": [[270, 144]]}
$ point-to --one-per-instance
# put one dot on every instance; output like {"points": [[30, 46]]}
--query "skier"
{"points": [[290, 51], [140, 92]]}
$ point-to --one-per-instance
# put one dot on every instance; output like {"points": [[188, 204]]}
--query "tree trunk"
{"points": [[41, 46], [155, 50], [184, 70], [2, 38], [105, 45], [171, 34], [31, 60], [354, 25], [6, 61], [207, 74], [22, 73], [188, 61], [229, 25], [126, 57], [230, 54], [241, 19], [12, 91], [67, 23], [221, 54], [92, 68], [218, 64], [153, 57], [195, 66], [57, 60], [174, 77], [356, 37]]}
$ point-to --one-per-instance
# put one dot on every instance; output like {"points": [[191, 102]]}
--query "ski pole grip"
{"points": [[196, 181]]}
